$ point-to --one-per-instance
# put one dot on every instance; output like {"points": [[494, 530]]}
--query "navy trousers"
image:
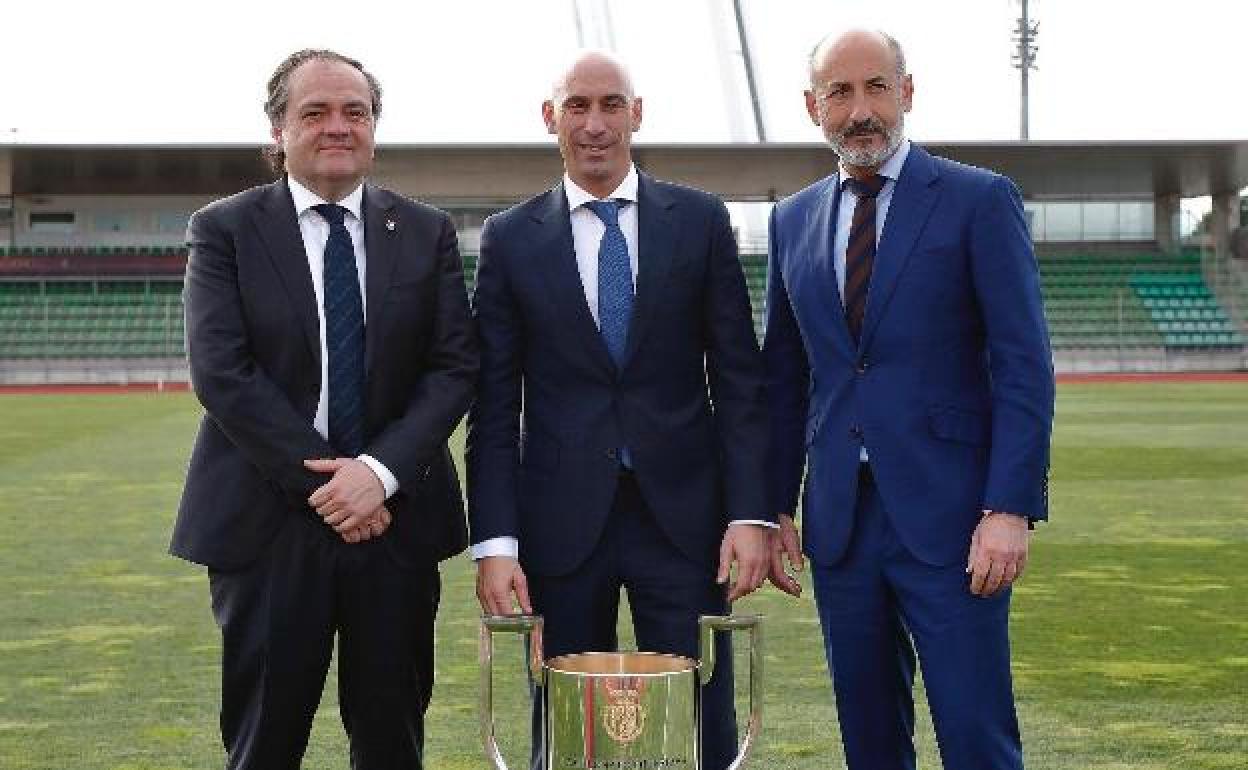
{"points": [[878, 606], [666, 594]]}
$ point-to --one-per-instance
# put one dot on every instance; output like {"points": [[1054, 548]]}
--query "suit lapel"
{"points": [[823, 262], [656, 246], [553, 245], [911, 205], [382, 237], [278, 226]]}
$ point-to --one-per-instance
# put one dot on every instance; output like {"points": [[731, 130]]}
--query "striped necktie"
{"points": [[860, 253], [344, 335]]}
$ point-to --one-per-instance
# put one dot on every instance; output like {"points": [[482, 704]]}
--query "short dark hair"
{"points": [[279, 94]]}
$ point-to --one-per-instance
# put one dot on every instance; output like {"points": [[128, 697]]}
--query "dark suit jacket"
{"points": [[254, 350], [553, 408], [951, 388]]}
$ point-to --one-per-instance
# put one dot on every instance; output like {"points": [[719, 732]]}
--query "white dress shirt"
{"points": [[587, 232], [588, 229], [315, 232], [845, 219]]}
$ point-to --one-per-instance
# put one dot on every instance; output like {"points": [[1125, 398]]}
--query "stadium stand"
{"points": [[1108, 300], [90, 319], [101, 303]]}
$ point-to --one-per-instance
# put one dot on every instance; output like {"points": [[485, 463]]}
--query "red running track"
{"points": [[183, 387]]}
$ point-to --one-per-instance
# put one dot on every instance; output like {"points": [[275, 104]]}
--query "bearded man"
{"points": [[909, 376]]}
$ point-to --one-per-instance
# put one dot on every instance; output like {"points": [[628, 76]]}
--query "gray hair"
{"points": [[278, 98], [898, 54]]}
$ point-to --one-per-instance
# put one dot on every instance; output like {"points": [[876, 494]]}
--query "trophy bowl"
{"points": [[620, 710]]}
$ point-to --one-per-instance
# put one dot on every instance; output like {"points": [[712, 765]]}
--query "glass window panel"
{"points": [[1136, 220], [172, 221], [52, 221], [1035, 220], [1063, 222], [112, 222], [1100, 222]]}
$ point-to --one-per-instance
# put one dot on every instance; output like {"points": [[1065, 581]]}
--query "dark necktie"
{"points": [[860, 253], [344, 336], [615, 280]]}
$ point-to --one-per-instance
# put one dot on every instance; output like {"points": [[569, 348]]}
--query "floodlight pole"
{"points": [[760, 127], [1025, 61]]}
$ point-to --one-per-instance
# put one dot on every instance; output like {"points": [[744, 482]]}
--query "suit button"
{"points": [[861, 368], [612, 454], [856, 432]]}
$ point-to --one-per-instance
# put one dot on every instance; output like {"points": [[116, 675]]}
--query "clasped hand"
{"points": [[352, 502]]}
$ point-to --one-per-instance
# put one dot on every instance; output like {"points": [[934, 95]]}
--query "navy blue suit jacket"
{"points": [[951, 388], [553, 408], [254, 350]]}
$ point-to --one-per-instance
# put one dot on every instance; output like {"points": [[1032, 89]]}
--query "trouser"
{"points": [[878, 605], [278, 618]]}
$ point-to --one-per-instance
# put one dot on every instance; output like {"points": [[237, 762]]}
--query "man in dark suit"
{"points": [[331, 346], [910, 376], [618, 437]]}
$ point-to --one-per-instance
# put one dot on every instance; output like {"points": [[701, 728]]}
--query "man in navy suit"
{"points": [[331, 347], [618, 438], [909, 375]]}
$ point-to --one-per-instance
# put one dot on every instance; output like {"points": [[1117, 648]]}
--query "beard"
{"points": [[867, 158]]}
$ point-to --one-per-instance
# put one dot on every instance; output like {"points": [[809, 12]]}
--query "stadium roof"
{"points": [[494, 172]]}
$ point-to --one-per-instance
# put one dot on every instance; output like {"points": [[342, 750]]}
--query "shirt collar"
{"points": [[578, 197], [305, 199], [891, 169]]}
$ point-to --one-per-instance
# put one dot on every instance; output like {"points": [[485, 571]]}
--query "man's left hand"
{"points": [[745, 544], [374, 527], [351, 497], [998, 552]]}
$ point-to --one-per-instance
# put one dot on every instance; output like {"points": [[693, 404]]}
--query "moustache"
{"points": [[863, 128]]}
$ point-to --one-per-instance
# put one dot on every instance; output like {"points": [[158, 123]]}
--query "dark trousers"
{"points": [[666, 594], [278, 618], [877, 606]]}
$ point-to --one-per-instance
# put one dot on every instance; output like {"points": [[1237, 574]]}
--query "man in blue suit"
{"points": [[909, 374], [618, 438]]}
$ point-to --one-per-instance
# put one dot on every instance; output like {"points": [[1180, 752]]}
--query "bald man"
{"points": [[910, 378], [618, 436]]}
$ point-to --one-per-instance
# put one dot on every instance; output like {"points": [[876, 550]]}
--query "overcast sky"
{"points": [[477, 70]]}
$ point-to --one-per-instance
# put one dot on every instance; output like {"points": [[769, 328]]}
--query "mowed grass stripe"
{"points": [[1130, 629]]}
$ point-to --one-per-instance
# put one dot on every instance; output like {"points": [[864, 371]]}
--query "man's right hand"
{"points": [[498, 579], [786, 543]]}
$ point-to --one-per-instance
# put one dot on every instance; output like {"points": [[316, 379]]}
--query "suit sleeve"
{"points": [[236, 392], [442, 393], [493, 454], [734, 368], [788, 384], [1007, 285]]}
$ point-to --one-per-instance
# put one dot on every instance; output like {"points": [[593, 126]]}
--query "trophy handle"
{"points": [[530, 626], [707, 626]]}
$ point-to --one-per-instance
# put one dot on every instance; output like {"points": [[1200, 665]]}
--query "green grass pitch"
{"points": [[1130, 629]]}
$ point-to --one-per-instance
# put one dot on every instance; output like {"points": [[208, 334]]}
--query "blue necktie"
{"points": [[615, 280], [860, 253], [615, 289], [344, 336]]}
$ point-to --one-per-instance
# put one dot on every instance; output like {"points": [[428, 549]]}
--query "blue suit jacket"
{"points": [[951, 388], [552, 407]]}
